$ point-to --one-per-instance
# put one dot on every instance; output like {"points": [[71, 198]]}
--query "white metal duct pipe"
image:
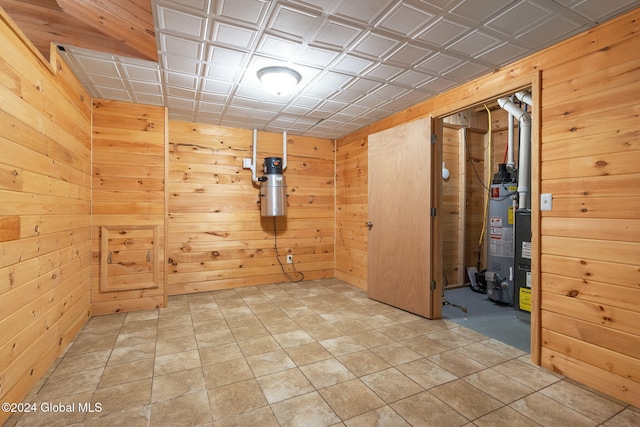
{"points": [[510, 157], [525, 97], [524, 123], [254, 149], [284, 150]]}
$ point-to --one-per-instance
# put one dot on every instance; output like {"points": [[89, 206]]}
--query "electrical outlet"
{"points": [[289, 259]]}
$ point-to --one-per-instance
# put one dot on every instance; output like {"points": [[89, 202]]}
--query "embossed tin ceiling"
{"points": [[361, 60]]}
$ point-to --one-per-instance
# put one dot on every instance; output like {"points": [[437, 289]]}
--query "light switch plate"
{"points": [[546, 201], [247, 162]]}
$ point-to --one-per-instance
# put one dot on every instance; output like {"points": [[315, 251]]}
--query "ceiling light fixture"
{"points": [[279, 80]]}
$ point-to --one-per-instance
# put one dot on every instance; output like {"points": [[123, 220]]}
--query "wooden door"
{"points": [[399, 252]]}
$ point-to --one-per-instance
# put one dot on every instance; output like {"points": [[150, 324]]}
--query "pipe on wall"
{"points": [[524, 158]]}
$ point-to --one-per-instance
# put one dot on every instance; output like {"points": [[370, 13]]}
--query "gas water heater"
{"points": [[499, 273], [273, 188]]}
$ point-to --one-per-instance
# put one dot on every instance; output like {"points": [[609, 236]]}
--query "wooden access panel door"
{"points": [[399, 252]]}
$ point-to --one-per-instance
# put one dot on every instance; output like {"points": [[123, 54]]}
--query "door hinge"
{"points": [[433, 211], [434, 138], [433, 285]]}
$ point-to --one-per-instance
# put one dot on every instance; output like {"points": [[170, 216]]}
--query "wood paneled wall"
{"points": [[45, 193], [589, 245], [129, 205], [351, 212], [217, 238], [453, 208]]}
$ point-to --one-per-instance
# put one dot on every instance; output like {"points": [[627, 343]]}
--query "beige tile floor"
{"points": [[315, 353]]}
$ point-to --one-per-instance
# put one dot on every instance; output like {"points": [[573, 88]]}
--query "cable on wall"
{"points": [[299, 276]]}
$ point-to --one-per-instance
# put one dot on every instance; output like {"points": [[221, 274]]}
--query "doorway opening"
{"points": [[486, 218]]}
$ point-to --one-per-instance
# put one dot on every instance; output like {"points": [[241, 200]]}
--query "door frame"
{"points": [[478, 95]]}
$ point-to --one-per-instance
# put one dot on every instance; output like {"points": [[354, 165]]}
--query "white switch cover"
{"points": [[247, 162], [546, 201]]}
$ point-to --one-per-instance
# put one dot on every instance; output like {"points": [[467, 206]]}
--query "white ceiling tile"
{"points": [[115, 94], [326, 6], [107, 81], [364, 86], [247, 11], [148, 74], [233, 35], [222, 72], [405, 19], [92, 65], [199, 5], [549, 31], [216, 86], [475, 44], [181, 64], [319, 91], [471, 9], [348, 97], [148, 98], [293, 22], [364, 11], [332, 106], [408, 55], [307, 102], [210, 107], [439, 84], [187, 81], [467, 69], [442, 32], [352, 65], [503, 54], [177, 92], [146, 87], [375, 44], [412, 78], [219, 98], [383, 72], [181, 22], [599, 10], [516, 19], [277, 47], [372, 101], [390, 91], [439, 63], [296, 110], [439, 4], [227, 57], [336, 34], [316, 56], [175, 45], [182, 103]]}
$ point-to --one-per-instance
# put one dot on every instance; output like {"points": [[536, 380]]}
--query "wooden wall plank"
{"points": [[45, 192], [217, 238], [128, 195]]}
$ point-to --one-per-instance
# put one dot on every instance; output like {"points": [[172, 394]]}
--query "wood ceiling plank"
{"points": [[129, 22], [43, 24]]}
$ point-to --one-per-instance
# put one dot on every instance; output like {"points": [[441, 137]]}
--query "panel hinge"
{"points": [[433, 285], [434, 138], [433, 211]]}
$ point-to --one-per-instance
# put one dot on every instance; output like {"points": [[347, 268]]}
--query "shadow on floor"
{"points": [[486, 317]]}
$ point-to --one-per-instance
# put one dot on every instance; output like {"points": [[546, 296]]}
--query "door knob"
{"points": [[369, 225]]}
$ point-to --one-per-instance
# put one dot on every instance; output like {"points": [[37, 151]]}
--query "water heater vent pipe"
{"points": [[254, 154], [524, 123]]}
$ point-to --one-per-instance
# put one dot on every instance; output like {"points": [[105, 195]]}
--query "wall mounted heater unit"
{"points": [[273, 187]]}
